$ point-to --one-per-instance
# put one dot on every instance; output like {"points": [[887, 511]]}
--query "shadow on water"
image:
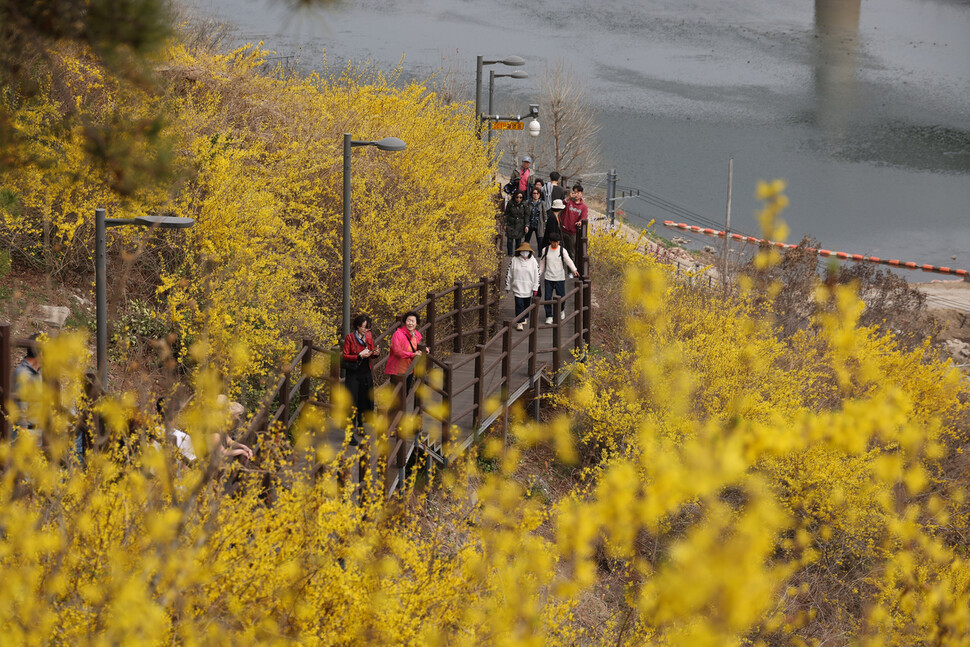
{"points": [[924, 148]]}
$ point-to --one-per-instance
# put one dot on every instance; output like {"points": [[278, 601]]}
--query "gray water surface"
{"points": [[864, 107]]}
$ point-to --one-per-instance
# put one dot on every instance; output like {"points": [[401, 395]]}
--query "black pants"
{"points": [[409, 383], [361, 387], [521, 303], [511, 244], [569, 242], [529, 236]]}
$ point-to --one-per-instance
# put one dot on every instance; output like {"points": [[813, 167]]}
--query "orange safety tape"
{"points": [[821, 252]]}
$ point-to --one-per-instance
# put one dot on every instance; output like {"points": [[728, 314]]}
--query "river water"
{"points": [[863, 106]]}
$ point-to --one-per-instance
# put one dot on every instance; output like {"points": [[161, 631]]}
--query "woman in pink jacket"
{"points": [[405, 346]]}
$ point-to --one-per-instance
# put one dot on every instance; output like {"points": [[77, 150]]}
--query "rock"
{"points": [[54, 315], [958, 349]]}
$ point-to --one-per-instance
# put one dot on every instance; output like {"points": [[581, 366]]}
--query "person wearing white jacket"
{"points": [[555, 261], [522, 279]]}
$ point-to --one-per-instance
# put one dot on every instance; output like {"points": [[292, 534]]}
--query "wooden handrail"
{"points": [[445, 331]]}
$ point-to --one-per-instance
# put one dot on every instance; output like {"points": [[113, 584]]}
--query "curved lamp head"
{"points": [[390, 144], [513, 61], [164, 222], [534, 128], [519, 75]]}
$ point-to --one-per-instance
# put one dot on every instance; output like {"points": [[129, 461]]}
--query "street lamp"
{"points": [[387, 144], [511, 61], [100, 271], [533, 114], [491, 91]]}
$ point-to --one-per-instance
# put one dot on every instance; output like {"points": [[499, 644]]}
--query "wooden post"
{"points": [[431, 321], [494, 299], [401, 460], [506, 378], [536, 397], [578, 313], [285, 400], [483, 313], [583, 248], [335, 366], [556, 335], [459, 306], [506, 358], [446, 419], [534, 337], [477, 417], [6, 380], [587, 311], [305, 369]]}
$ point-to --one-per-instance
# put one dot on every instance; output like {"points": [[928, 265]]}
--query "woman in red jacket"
{"points": [[405, 346], [358, 353]]}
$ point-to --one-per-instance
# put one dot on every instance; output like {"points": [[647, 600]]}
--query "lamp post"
{"points": [[387, 144], [100, 272], [511, 61], [491, 91]]}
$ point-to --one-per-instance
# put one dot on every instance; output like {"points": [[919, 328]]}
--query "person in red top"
{"points": [[575, 212], [405, 346], [357, 354], [524, 175]]}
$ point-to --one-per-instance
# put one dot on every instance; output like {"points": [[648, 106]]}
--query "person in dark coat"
{"points": [[553, 223], [516, 221], [537, 218], [358, 354]]}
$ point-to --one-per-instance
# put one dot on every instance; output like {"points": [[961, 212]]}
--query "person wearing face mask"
{"points": [[405, 346], [555, 261], [522, 279]]}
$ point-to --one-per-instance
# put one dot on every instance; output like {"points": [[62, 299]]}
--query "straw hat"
{"points": [[524, 247], [557, 205]]}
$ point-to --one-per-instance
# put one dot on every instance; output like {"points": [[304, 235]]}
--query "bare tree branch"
{"points": [[570, 139]]}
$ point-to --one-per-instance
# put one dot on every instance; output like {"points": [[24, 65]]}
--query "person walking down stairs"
{"points": [[555, 261], [523, 280]]}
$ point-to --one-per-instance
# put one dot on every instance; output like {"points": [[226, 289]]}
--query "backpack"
{"points": [[511, 187], [545, 251]]}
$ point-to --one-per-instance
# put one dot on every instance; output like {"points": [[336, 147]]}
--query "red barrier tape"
{"points": [[858, 258]]}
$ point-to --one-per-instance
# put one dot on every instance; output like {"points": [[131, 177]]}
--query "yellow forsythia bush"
{"points": [[726, 505], [259, 160], [759, 489]]}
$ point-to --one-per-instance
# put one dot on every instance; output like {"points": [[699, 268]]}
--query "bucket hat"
{"points": [[524, 247], [557, 205]]}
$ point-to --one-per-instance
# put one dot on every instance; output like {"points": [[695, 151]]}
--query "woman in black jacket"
{"points": [[516, 221]]}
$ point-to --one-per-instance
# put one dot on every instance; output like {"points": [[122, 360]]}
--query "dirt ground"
{"points": [[949, 301]]}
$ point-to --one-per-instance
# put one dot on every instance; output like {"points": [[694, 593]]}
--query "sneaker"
{"points": [[518, 326], [548, 320], [562, 315]]}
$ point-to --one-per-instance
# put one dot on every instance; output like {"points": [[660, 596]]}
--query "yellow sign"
{"points": [[508, 125]]}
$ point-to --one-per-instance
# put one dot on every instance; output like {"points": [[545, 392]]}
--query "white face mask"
{"points": [[524, 254]]}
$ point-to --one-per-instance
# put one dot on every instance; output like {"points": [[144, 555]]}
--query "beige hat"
{"points": [[557, 205], [524, 247], [235, 409]]}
